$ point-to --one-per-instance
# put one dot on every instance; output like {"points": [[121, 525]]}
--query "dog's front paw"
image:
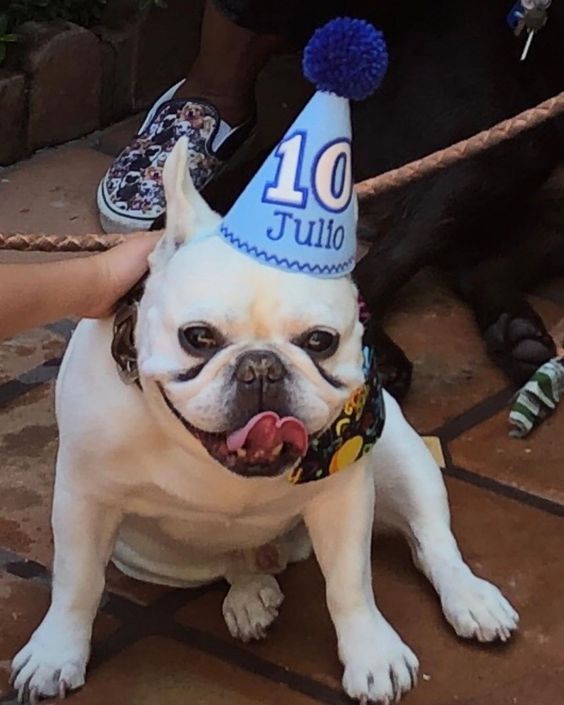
{"points": [[251, 606], [47, 668], [519, 344], [379, 669], [476, 609]]}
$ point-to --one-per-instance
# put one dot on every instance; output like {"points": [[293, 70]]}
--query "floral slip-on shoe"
{"points": [[131, 196]]}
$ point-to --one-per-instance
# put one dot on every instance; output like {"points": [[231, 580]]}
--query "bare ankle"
{"points": [[234, 107]]}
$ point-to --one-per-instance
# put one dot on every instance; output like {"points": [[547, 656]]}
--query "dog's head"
{"points": [[249, 360]]}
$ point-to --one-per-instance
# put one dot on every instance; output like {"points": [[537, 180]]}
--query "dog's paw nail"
{"points": [[62, 690], [22, 694]]}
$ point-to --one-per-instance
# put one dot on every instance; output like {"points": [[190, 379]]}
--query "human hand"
{"points": [[111, 274], [88, 287]]}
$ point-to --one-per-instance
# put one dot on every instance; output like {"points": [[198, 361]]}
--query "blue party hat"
{"points": [[299, 212]]}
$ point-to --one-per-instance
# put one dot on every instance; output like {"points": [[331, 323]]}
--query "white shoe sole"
{"points": [[113, 222]]}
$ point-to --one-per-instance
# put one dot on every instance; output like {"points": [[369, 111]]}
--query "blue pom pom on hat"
{"points": [[299, 212], [346, 57]]}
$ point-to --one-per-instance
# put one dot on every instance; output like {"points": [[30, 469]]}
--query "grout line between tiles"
{"points": [[64, 328], [503, 490], [113, 603], [158, 619], [154, 623], [20, 567], [475, 415], [252, 663], [45, 372], [26, 382]]}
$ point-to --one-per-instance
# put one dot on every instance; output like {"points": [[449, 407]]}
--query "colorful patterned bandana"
{"points": [[354, 432]]}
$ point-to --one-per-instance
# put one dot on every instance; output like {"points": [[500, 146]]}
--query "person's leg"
{"points": [[213, 107], [229, 61], [237, 39]]}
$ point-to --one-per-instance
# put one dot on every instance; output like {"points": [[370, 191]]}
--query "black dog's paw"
{"points": [[519, 344], [393, 365]]}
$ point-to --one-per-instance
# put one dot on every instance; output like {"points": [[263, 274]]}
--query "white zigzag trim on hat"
{"points": [[283, 262]]}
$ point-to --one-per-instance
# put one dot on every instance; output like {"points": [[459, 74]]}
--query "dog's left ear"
{"points": [[187, 214]]}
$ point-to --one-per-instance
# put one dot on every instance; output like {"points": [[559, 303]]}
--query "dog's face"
{"points": [[251, 360]]}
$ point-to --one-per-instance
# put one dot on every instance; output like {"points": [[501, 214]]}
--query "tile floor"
{"points": [[156, 645]]}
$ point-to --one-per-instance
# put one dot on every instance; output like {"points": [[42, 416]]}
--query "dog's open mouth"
{"points": [[266, 445]]}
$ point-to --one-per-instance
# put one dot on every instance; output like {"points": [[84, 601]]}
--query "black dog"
{"points": [[454, 71]]}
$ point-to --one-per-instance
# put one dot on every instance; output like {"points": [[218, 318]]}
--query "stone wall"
{"points": [[64, 81]]}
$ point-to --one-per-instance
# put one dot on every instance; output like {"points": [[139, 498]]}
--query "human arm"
{"points": [[88, 287]]}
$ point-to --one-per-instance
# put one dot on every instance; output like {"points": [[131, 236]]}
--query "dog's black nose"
{"points": [[259, 378], [259, 368]]}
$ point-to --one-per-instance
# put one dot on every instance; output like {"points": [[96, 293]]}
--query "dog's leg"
{"points": [[396, 257], [252, 603], [494, 280], [254, 597], [379, 667], [54, 660], [412, 497], [515, 335]]}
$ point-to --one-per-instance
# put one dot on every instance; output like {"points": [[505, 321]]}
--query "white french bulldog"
{"points": [[179, 483]]}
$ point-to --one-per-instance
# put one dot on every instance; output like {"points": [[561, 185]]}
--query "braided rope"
{"points": [[59, 243], [461, 150], [365, 189]]}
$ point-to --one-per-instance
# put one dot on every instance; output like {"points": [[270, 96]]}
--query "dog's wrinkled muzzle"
{"points": [[265, 446]]}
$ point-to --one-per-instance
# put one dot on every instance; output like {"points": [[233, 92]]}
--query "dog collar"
{"points": [[123, 347], [353, 433]]}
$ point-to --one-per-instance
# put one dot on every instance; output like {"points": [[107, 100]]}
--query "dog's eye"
{"points": [[200, 339], [319, 342]]}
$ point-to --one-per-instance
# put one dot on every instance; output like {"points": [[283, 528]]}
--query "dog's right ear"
{"points": [[187, 214]]}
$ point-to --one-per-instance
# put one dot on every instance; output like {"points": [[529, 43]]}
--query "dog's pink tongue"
{"points": [[267, 430]]}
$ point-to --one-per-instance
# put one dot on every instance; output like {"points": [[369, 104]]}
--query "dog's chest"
{"points": [[200, 504]]}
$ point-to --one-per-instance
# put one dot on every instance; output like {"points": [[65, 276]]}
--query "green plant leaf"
{"points": [[83, 12]]}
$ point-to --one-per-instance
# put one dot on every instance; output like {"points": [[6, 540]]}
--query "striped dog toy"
{"points": [[538, 398]]}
